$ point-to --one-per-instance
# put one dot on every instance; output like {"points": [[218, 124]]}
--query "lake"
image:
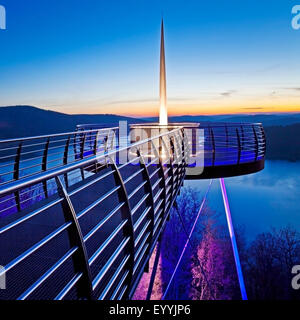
{"points": [[270, 198]]}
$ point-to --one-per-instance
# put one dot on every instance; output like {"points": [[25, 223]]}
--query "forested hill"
{"points": [[283, 142], [21, 121]]}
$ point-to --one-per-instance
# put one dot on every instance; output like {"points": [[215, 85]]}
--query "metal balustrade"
{"points": [[26, 157], [232, 149], [221, 149], [77, 221], [85, 227]]}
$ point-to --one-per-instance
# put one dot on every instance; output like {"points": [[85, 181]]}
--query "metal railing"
{"points": [[233, 143], [227, 143], [26, 157], [90, 232], [220, 149]]}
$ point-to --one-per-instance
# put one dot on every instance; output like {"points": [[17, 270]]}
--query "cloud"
{"points": [[253, 71], [254, 108], [147, 100], [294, 89], [228, 93], [131, 101]]}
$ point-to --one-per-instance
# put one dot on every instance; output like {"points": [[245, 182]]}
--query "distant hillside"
{"points": [[267, 119], [283, 142], [21, 121]]}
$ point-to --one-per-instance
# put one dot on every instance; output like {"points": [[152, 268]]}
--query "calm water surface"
{"points": [[270, 198]]}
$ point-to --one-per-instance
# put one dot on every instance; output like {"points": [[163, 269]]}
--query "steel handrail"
{"points": [[14, 186]]}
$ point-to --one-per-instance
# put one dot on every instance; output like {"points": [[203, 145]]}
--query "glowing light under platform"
{"points": [[233, 241]]}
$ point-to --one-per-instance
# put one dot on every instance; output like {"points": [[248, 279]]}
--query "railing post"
{"points": [[162, 184], [243, 136], [96, 149], [213, 146], [17, 174], [65, 160], [226, 132], [96, 143], [44, 165], [239, 146], [150, 200], [162, 175], [82, 145], [179, 158], [171, 166], [264, 138], [185, 148], [128, 229], [80, 258], [256, 143]]}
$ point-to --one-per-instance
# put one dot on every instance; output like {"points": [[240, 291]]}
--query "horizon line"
{"points": [[157, 116]]}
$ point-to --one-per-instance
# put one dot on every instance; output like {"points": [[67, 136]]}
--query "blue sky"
{"points": [[97, 56]]}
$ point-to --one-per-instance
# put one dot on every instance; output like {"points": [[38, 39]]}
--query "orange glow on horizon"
{"points": [[217, 107]]}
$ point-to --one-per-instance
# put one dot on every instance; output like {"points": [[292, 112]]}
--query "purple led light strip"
{"points": [[187, 241], [233, 241]]}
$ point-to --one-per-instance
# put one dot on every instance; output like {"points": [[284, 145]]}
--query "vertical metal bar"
{"points": [[213, 146], [150, 200], [65, 160], [185, 148], [233, 241], [96, 150], [170, 164], [16, 175], [44, 165], [239, 146], [128, 230], [243, 135], [75, 146], [82, 145], [96, 143], [162, 175], [162, 184], [226, 132], [174, 163], [264, 139], [179, 157], [106, 142], [185, 154], [256, 142], [80, 258], [154, 269]]}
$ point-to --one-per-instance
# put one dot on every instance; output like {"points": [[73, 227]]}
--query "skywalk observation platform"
{"points": [[81, 212]]}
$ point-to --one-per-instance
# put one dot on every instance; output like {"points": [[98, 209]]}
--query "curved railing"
{"points": [[230, 149], [219, 150], [233, 143], [90, 232]]}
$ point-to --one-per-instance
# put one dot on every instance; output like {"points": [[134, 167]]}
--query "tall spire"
{"points": [[163, 114]]}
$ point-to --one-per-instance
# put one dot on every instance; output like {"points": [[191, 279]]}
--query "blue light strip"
{"points": [[187, 241], [233, 241]]}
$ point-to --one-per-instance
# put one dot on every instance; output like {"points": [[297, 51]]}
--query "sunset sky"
{"points": [[97, 56]]}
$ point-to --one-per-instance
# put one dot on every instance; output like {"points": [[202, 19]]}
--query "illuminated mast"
{"points": [[163, 114]]}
